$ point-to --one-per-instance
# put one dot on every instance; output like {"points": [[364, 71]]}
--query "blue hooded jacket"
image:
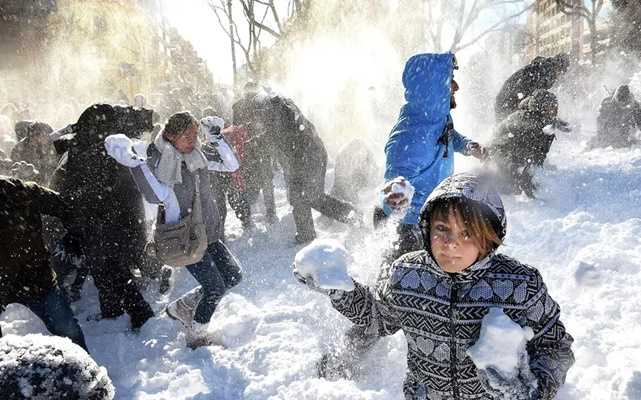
{"points": [[421, 145]]}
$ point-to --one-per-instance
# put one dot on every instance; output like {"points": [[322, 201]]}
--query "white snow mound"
{"points": [[500, 343], [43, 367], [325, 261]]}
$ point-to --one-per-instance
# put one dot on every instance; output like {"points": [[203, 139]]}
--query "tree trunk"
{"points": [[231, 38], [594, 41]]}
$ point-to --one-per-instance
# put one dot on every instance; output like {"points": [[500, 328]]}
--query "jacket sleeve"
{"points": [[368, 309], [155, 192], [460, 142], [44, 201], [550, 349]]}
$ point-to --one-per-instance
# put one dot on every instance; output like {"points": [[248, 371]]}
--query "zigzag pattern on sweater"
{"points": [[441, 315]]}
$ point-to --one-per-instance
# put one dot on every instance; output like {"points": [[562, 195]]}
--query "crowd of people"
{"points": [[72, 204]]}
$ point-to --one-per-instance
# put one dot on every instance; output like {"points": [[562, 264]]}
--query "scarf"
{"points": [[169, 168]]}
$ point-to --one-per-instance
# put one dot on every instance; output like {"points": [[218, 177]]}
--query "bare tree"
{"points": [[590, 13], [258, 16], [464, 13]]}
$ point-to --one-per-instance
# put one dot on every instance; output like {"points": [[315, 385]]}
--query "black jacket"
{"points": [[617, 123], [539, 74], [520, 139], [25, 271]]}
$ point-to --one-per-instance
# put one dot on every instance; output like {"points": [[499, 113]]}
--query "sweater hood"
{"points": [[472, 187]]}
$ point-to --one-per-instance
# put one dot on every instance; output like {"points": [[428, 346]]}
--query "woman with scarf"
{"points": [[175, 161]]}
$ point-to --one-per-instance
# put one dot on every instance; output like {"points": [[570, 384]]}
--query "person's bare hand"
{"points": [[477, 151]]}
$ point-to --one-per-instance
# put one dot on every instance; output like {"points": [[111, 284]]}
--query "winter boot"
{"points": [[197, 335], [165, 279], [184, 308]]}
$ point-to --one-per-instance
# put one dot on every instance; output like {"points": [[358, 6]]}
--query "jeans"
{"points": [[54, 311], [218, 271]]}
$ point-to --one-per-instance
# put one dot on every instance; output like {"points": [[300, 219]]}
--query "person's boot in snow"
{"points": [[184, 308], [165, 279], [197, 335]]}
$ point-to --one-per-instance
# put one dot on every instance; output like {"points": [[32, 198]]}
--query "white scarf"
{"points": [[168, 170]]}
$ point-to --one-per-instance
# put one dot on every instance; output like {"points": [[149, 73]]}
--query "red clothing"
{"points": [[237, 137]]}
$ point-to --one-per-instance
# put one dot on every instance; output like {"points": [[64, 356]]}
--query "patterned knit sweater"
{"points": [[441, 314]]}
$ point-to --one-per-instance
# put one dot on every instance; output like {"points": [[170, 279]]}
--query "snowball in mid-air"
{"points": [[325, 261], [500, 343], [50, 367]]}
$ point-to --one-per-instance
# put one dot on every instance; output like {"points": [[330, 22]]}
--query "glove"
{"points": [[333, 294], [121, 148], [521, 387], [211, 128], [476, 150]]}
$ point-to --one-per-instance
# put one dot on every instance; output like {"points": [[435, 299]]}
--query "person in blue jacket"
{"points": [[422, 144], [420, 149]]}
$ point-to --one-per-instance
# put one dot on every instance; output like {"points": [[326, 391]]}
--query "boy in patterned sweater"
{"points": [[439, 295]]}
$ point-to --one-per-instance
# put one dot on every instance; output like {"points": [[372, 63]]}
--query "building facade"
{"points": [[550, 31]]}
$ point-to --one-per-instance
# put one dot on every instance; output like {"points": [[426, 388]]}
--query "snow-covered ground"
{"points": [[583, 233]]}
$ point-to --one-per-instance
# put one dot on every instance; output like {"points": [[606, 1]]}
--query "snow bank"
{"points": [[500, 343], [48, 367], [325, 261]]}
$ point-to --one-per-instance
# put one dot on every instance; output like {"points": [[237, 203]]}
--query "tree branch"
{"points": [[492, 28]]}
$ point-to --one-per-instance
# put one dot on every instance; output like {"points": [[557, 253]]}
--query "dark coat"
{"points": [[541, 73], [105, 199], [25, 271], [299, 148], [256, 163], [617, 123], [520, 139]]}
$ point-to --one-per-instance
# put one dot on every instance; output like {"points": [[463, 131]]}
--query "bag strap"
{"points": [[197, 207]]}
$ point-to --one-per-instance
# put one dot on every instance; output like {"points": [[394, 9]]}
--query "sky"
{"points": [[197, 23]]}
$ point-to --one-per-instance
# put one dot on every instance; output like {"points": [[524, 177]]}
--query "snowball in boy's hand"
{"points": [[500, 344], [398, 192], [325, 262]]}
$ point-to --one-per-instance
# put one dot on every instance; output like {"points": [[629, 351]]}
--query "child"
{"points": [[439, 295]]}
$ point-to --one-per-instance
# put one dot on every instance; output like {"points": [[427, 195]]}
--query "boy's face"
{"points": [[452, 246]]}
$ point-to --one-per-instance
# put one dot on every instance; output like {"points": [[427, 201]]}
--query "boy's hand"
{"points": [[521, 387], [477, 151], [311, 284], [398, 193]]}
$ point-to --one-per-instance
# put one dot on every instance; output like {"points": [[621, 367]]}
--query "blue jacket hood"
{"points": [[427, 79]]}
